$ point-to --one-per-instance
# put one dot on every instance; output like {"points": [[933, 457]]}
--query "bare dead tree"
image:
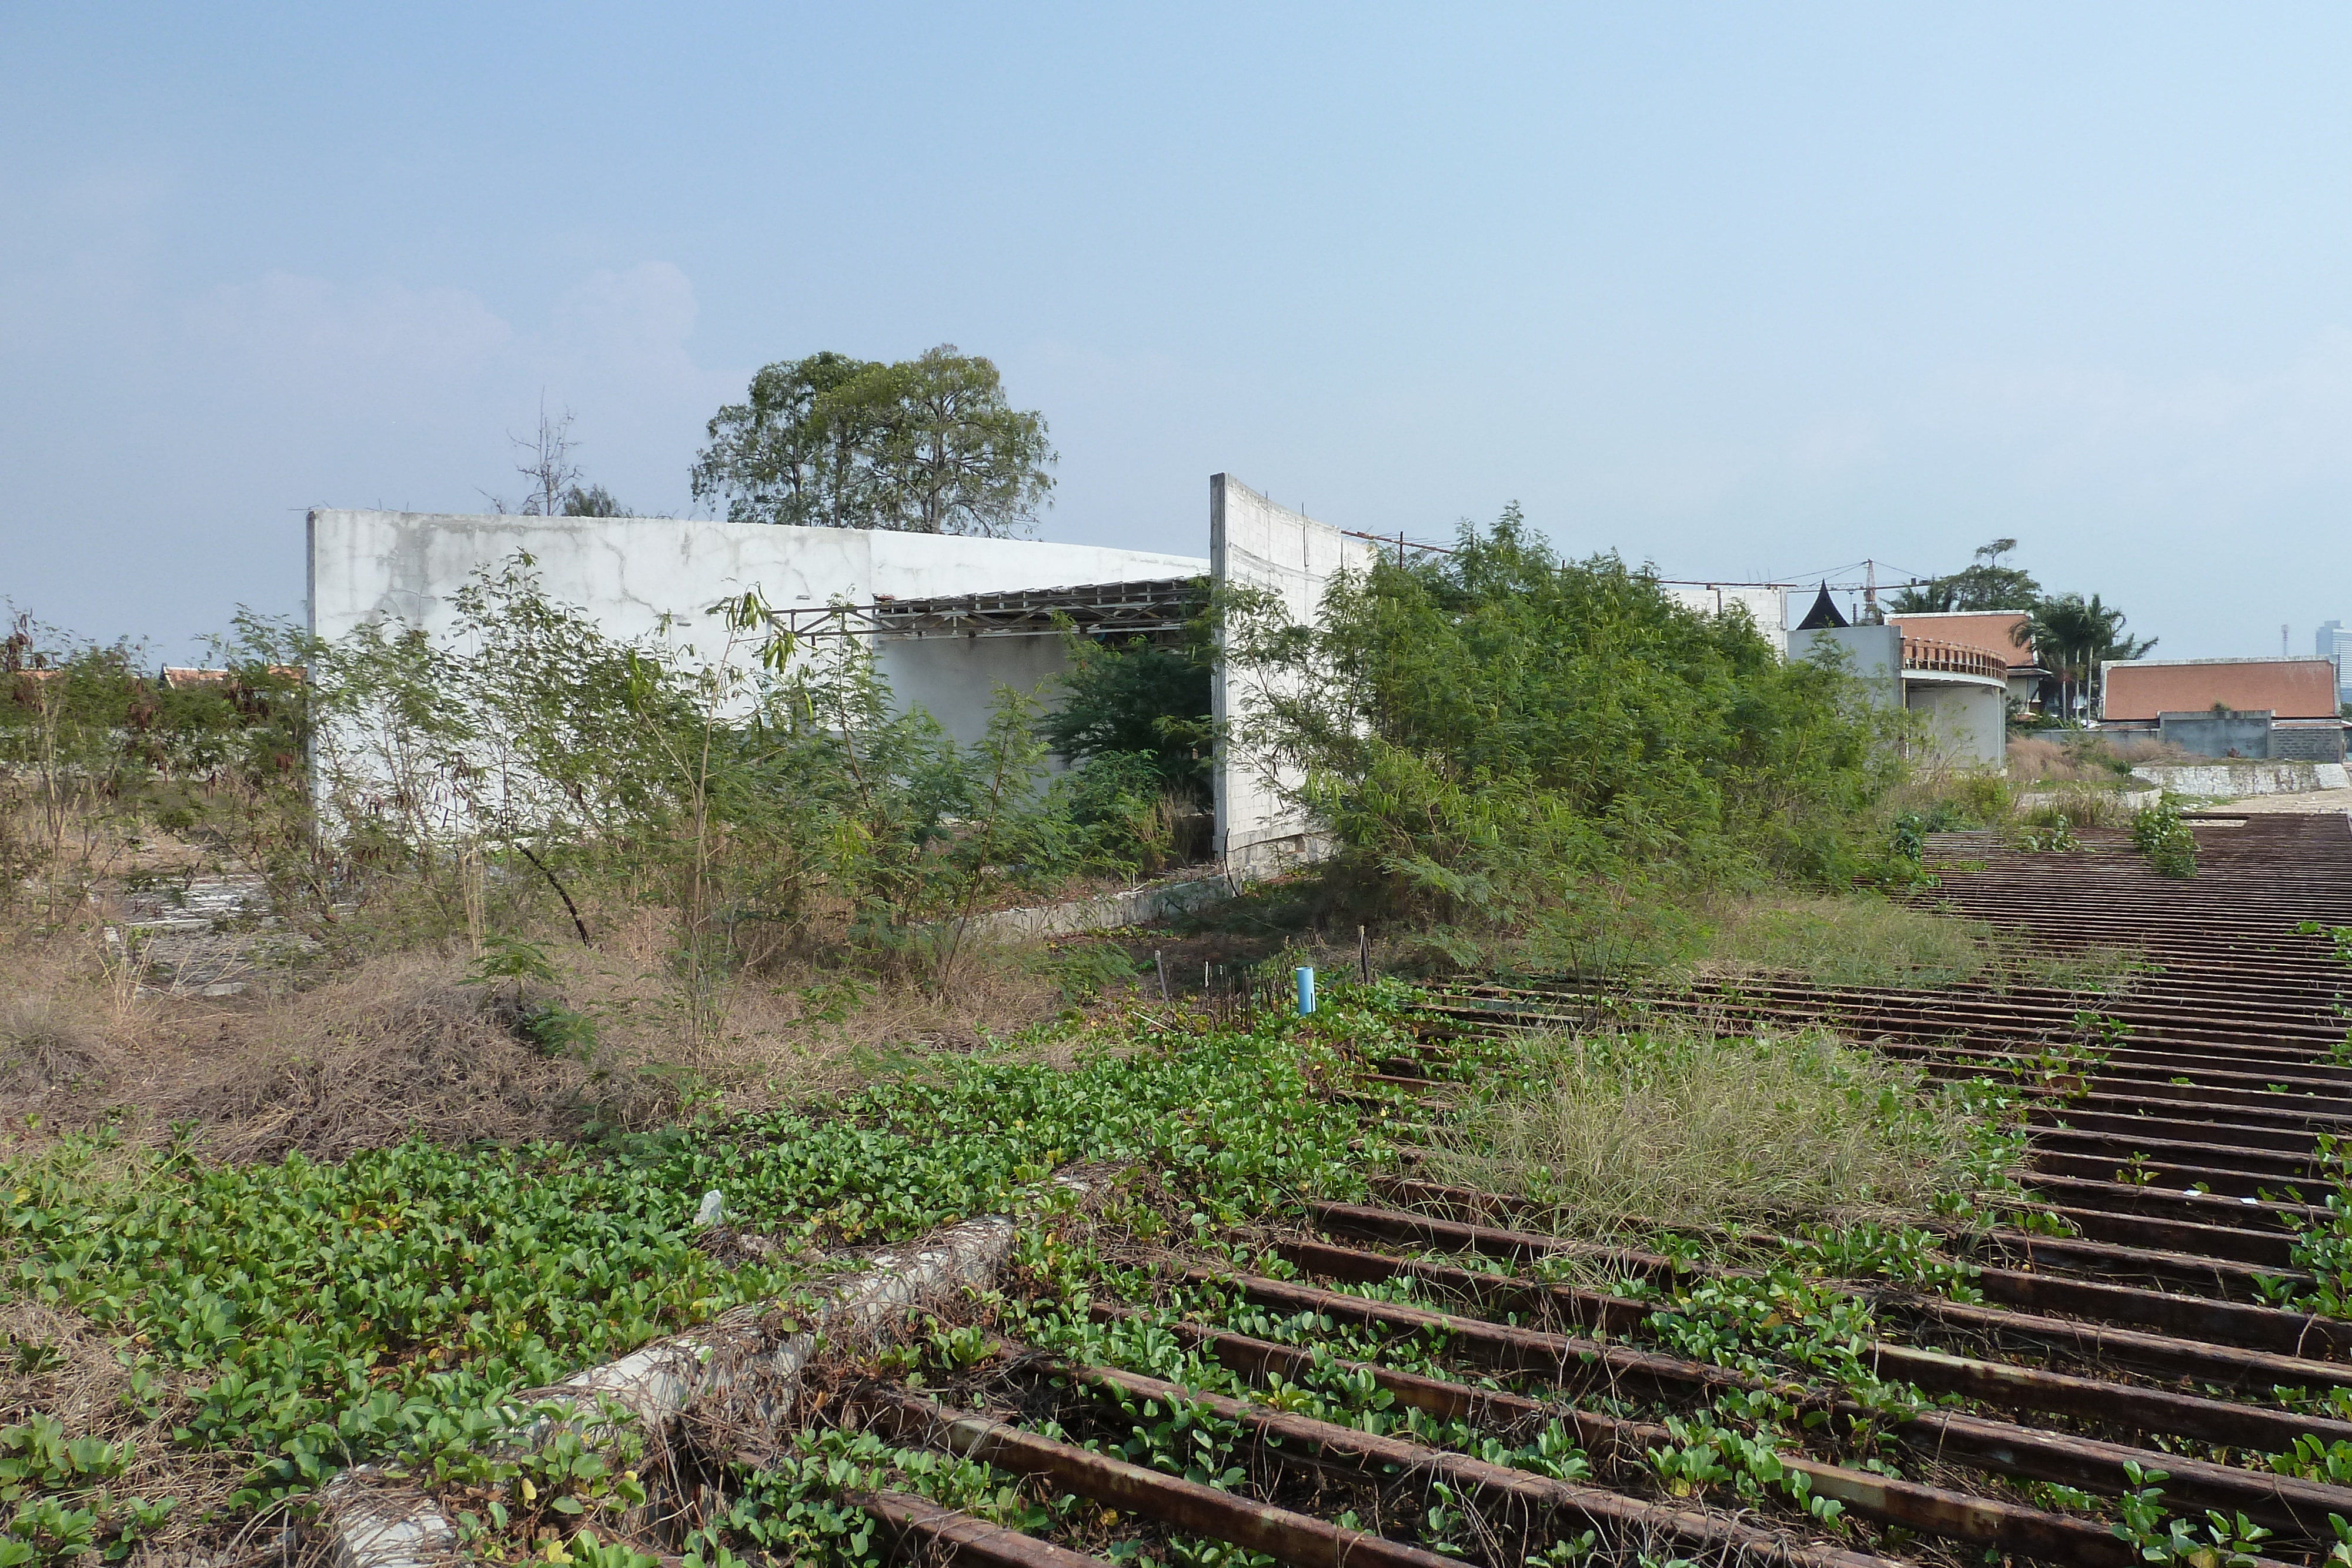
{"points": [[547, 466], [553, 478]]}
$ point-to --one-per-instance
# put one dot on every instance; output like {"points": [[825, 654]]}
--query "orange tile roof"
{"points": [[2289, 688], [1987, 629]]}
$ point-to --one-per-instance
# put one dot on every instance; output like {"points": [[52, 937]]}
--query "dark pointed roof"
{"points": [[1822, 615]]}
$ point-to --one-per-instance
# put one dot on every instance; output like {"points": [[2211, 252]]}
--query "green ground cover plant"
{"points": [[296, 1317], [274, 1322]]}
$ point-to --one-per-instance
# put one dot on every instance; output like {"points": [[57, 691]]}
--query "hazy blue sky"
{"points": [[1743, 290]]}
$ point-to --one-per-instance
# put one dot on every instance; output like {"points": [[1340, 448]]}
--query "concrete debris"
{"points": [[378, 1523]]}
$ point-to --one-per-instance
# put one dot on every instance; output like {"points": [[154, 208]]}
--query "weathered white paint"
{"points": [[1767, 606], [630, 574], [1966, 717], [1253, 542], [2232, 781]]}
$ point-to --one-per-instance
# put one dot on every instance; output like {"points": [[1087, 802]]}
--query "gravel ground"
{"points": [[2310, 804]]}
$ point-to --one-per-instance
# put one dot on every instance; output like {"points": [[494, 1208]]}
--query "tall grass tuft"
{"points": [[1858, 940], [1867, 941], [1630, 1134]]}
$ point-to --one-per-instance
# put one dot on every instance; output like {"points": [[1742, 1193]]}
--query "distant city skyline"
{"points": [[2332, 642], [1741, 292]]}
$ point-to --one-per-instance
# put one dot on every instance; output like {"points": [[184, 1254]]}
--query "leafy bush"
{"points": [[2170, 843], [1137, 700], [94, 753], [1122, 813], [1486, 732]]}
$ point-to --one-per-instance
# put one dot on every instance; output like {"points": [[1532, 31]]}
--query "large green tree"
{"points": [[1985, 584], [924, 445], [2071, 636]]}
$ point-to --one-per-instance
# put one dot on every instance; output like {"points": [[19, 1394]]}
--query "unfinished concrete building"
{"points": [[2000, 633], [949, 619]]}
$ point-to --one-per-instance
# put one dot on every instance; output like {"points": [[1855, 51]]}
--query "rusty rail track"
{"points": [[2143, 1311]]}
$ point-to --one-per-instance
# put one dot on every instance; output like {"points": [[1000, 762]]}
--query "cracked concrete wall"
{"points": [[629, 572]]}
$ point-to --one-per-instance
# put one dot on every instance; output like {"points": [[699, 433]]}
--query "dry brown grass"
{"points": [[2082, 805], [52, 1063], [404, 1046], [395, 1049], [1864, 940], [401, 1049], [788, 1029], [58, 1363], [2086, 758]]}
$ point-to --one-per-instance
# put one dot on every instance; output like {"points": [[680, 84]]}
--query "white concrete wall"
{"points": [[1967, 724], [2235, 781], [1768, 607], [1252, 540], [1873, 656], [1967, 719], [954, 679], [629, 572]]}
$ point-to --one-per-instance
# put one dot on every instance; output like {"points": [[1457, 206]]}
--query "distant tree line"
{"points": [[2070, 633]]}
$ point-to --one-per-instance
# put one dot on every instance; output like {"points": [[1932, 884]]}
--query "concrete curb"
{"points": [[379, 1522], [1144, 905], [2231, 781]]}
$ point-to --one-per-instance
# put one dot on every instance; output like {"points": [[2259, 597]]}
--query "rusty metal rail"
{"points": [[2173, 1127], [2173, 1133]]}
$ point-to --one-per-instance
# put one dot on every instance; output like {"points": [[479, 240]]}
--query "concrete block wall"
{"points": [[2306, 745], [2241, 734]]}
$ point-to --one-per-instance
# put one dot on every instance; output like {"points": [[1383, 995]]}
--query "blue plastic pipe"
{"points": [[1306, 992]]}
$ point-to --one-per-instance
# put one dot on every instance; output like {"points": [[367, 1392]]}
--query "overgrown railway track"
{"points": [[1431, 1376]]}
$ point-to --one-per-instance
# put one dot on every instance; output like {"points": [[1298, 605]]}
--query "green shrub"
{"points": [[1137, 700], [1124, 816], [2170, 845], [1485, 731]]}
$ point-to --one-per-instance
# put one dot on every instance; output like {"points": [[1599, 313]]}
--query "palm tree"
{"points": [[2073, 636]]}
